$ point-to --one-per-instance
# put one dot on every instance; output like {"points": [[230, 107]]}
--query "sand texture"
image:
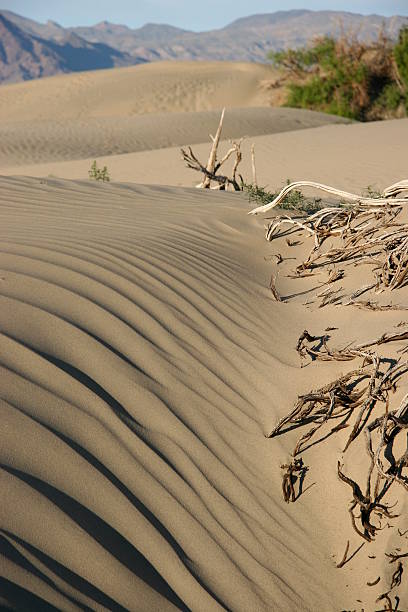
{"points": [[147, 88], [143, 361], [28, 142], [351, 157], [138, 374]]}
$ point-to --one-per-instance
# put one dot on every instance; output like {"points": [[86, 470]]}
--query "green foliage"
{"points": [[257, 194], [390, 97], [295, 200], [401, 54], [346, 77], [99, 174], [323, 95], [372, 192], [401, 59]]}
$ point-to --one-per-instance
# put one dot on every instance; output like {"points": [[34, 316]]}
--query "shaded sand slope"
{"points": [[142, 362], [148, 88], [35, 141], [347, 156]]}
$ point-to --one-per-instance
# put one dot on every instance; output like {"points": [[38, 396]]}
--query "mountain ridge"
{"points": [[104, 45]]}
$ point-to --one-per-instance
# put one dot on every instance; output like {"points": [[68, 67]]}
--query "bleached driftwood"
{"points": [[254, 177], [222, 180], [212, 167], [213, 153], [387, 198], [369, 230]]}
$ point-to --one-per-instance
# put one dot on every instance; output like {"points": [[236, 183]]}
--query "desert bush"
{"points": [[99, 174], [348, 77], [295, 200], [401, 61]]}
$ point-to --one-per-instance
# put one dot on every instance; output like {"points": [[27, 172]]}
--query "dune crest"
{"points": [[141, 369], [147, 88]]}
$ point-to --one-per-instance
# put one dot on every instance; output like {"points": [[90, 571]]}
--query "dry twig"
{"points": [[212, 167], [367, 231]]}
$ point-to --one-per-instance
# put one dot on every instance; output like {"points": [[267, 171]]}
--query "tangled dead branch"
{"points": [[367, 231], [290, 478], [388, 197], [213, 166], [356, 393]]}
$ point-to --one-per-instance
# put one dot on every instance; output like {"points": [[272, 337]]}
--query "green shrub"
{"points": [[346, 77], [401, 60], [390, 97], [99, 174], [295, 200], [401, 54]]}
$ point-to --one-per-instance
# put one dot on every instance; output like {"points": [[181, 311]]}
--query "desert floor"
{"points": [[144, 360]]}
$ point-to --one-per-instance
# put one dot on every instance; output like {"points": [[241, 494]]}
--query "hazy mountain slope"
{"points": [[257, 34], [48, 31], [125, 39], [246, 39], [24, 56]]}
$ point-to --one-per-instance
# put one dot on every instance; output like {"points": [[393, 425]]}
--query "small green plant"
{"points": [[372, 192], [257, 194], [99, 174], [295, 200]]}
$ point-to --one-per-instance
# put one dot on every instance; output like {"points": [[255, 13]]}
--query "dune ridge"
{"points": [[28, 142], [346, 156], [141, 367], [147, 88]]}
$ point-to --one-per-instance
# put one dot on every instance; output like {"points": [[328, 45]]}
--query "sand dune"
{"points": [[32, 141], [148, 88], [142, 364], [138, 374], [153, 106], [348, 156]]}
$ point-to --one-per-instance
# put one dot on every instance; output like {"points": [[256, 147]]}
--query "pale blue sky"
{"points": [[190, 14]]}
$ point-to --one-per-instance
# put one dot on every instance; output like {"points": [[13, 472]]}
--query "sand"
{"points": [[146, 88], [28, 142], [350, 157], [144, 361]]}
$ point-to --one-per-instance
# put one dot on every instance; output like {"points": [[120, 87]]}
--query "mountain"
{"points": [[48, 30], [105, 44], [246, 39], [25, 56], [125, 39]]}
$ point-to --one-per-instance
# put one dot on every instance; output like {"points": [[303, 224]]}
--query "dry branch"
{"points": [[212, 167], [213, 153], [254, 177], [356, 393], [368, 231], [346, 559], [274, 291], [385, 200]]}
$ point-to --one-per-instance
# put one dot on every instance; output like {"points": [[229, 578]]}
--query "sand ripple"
{"points": [[136, 354], [52, 140]]}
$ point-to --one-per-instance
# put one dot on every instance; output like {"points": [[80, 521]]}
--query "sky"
{"points": [[188, 14]]}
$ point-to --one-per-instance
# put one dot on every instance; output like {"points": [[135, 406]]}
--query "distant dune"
{"points": [[342, 155], [149, 88], [50, 141]]}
